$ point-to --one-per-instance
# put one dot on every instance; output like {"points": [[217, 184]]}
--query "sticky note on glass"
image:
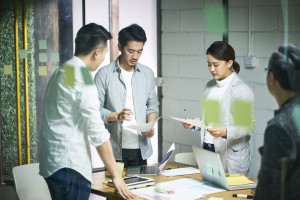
{"points": [[212, 111], [215, 18], [43, 57], [23, 53], [54, 68], [42, 44], [55, 57], [42, 70], [212, 170], [7, 70], [87, 76], [242, 112], [296, 117], [69, 74]]}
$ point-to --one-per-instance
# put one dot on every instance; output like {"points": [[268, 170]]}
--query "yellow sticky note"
{"points": [[242, 113], [43, 71], [212, 170], [238, 180], [7, 69], [69, 76]]}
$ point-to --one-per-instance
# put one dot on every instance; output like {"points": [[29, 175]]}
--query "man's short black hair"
{"points": [[132, 33], [90, 37], [285, 65]]}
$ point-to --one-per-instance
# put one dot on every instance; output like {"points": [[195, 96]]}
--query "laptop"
{"points": [[151, 170], [212, 171]]}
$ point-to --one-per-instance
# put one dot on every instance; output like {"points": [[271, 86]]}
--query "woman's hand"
{"points": [[218, 131], [186, 125]]}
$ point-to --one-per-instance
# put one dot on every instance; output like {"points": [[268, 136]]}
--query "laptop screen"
{"points": [[166, 157]]}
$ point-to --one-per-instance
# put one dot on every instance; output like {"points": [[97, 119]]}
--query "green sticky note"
{"points": [[42, 70], [42, 44], [69, 76], [215, 18], [296, 117], [209, 169], [212, 112], [54, 68], [212, 170], [242, 113], [42, 57], [23, 53], [87, 76], [55, 57], [7, 70]]}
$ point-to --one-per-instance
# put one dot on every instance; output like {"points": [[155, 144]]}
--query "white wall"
{"points": [[185, 39], [142, 12]]}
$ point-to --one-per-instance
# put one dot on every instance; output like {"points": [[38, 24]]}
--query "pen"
{"points": [[243, 196], [184, 110]]}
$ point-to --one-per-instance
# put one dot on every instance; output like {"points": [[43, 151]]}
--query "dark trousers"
{"points": [[209, 147], [68, 184], [132, 157]]}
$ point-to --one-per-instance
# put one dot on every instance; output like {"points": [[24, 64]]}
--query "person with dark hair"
{"points": [[72, 121], [126, 90], [230, 141], [279, 174]]}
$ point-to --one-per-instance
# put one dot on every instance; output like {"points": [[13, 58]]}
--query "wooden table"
{"points": [[101, 189]]}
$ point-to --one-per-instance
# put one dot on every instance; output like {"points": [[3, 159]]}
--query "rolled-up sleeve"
{"points": [[90, 111]]}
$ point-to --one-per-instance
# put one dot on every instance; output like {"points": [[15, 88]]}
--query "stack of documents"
{"points": [[180, 171], [240, 181]]}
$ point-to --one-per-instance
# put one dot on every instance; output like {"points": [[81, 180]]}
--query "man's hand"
{"points": [[122, 189], [217, 131], [187, 126], [125, 114], [148, 134]]}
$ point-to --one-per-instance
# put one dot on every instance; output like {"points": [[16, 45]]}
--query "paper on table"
{"points": [[191, 121], [180, 171], [238, 180], [143, 127]]}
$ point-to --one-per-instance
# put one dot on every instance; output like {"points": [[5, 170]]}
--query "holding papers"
{"points": [[143, 127], [194, 122]]}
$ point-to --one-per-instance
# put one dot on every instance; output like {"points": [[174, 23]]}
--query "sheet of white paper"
{"points": [[180, 171], [143, 127], [191, 121], [185, 188]]}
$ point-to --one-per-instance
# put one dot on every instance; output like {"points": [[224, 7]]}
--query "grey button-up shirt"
{"points": [[112, 96]]}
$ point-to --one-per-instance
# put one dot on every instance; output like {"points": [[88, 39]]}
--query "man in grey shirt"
{"points": [[126, 90]]}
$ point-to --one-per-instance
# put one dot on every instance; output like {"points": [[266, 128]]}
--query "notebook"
{"points": [[212, 171], [151, 170]]}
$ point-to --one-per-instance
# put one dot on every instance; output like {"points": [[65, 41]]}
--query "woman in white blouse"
{"points": [[230, 141]]}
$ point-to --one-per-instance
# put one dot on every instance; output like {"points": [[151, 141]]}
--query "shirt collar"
{"points": [[286, 104], [118, 69], [225, 81]]}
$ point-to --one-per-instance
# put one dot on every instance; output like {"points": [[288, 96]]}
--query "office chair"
{"points": [[186, 158], [30, 185]]}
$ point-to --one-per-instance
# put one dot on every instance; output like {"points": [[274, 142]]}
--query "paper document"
{"points": [[194, 122], [180, 171], [238, 180], [185, 188], [143, 127]]}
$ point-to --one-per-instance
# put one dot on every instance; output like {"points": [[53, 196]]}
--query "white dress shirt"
{"points": [[71, 122]]}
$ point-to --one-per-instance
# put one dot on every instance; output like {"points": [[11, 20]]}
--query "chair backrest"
{"points": [[30, 185], [186, 158]]}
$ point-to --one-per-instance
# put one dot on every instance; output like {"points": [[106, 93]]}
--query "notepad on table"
{"points": [[238, 180]]}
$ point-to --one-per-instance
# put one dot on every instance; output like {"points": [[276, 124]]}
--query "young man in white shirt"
{"points": [[126, 90], [72, 121]]}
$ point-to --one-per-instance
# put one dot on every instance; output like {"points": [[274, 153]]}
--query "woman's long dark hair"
{"points": [[223, 51]]}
